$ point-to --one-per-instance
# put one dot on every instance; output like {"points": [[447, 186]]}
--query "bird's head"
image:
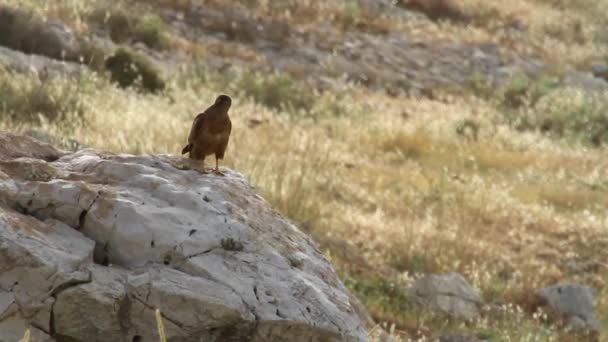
{"points": [[223, 100]]}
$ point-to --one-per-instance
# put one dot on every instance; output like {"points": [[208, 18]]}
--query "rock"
{"points": [[573, 303], [585, 81], [92, 243], [14, 146], [448, 293], [70, 46], [27, 32], [64, 143], [23, 63], [600, 70]]}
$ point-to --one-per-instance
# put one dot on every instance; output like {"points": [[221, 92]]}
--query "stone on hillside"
{"points": [[584, 81], [14, 146], [32, 34], [573, 303], [449, 293], [23, 63], [91, 243], [600, 70]]}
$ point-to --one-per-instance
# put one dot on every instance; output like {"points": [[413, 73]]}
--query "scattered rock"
{"points": [[27, 32], [14, 146], [23, 63], [600, 70], [92, 250], [571, 302], [448, 293], [584, 80]]}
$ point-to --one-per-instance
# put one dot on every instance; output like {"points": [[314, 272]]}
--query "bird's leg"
{"points": [[202, 167], [217, 168]]}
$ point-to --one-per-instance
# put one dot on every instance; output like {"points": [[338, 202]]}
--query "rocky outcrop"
{"points": [[91, 243], [448, 293], [27, 32], [571, 302], [23, 63]]}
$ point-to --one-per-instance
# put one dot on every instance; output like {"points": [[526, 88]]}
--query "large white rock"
{"points": [[92, 243]]}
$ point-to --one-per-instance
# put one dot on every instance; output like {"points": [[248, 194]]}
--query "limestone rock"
{"points": [[448, 293], [23, 63], [584, 81], [92, 243], [573, 303]]}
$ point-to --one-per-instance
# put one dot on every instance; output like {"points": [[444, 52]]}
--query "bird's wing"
{"points": [[197, 125], [225, 138]]}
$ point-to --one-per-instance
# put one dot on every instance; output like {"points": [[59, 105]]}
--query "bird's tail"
{"points": [[187, 149]]}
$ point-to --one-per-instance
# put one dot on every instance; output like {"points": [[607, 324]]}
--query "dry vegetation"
{"points": [[510, 194]]}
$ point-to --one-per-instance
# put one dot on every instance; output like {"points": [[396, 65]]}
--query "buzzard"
{"points": [[210, 133]]}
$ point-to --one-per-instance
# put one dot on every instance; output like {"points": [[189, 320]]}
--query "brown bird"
{"points": [[210, 133]]}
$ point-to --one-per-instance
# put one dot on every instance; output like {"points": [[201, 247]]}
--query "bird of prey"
{"points": [[210, 133]]}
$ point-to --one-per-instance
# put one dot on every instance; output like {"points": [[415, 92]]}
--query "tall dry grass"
{"points": [[390, 196], [396, 187]]}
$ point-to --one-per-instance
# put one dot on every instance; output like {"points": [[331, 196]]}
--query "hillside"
{"points": [[405, 137]]}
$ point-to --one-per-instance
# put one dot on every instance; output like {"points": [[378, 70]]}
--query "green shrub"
{"points": [[565, 114], [351, 14], [92, 56], [123, 26], [518, 91], [574, 115], [380, 293], [128, 68], [521, 90], [150, 29]]}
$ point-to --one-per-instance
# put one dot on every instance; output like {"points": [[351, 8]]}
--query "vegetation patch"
{"points": [[129, 27], [36, 99], [128, 68]]}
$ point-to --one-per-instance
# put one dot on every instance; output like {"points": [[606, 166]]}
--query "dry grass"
{"points": [[26, 336], [391, 196]]}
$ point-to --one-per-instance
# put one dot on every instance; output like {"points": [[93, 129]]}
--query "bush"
{"points": [[149, 28], [573, 115], [92, 56], [128, 68], [351, 14], [565, 114]]}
